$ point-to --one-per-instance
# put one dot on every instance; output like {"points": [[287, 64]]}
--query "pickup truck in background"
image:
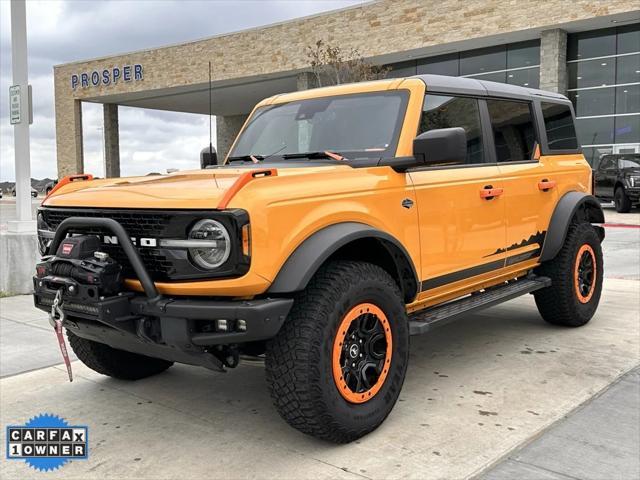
{"points": [[617, 178]]}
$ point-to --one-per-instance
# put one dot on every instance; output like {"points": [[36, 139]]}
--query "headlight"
{"points": [[45, 235], [212, 244], [634, 181]]}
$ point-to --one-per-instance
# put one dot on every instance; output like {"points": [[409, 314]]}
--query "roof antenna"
{"points": [[210, 117]]}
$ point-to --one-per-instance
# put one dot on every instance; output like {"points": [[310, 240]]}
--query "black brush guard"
{"points": [[179, 329]]}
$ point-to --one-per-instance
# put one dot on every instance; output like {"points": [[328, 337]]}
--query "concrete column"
{"points": [[69, 146], [111, 141], [553, 61], [227, 129]]}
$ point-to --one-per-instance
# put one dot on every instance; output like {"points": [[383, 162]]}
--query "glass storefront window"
{"points": [[595, 131], [483, 60], [628, 99], [529, 77], [592, 73], [629, 38], [402, 69], [628, 69], [442, 65], [598, 101], [523, 54], [619, 64], [492, 77], [594, 154], [597, 43], [627, 129]]}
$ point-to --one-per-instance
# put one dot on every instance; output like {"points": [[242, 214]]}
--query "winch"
{"points": [[81, 270]]}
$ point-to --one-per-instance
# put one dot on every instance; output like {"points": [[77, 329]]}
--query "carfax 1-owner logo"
{"points": [[47, 442]]}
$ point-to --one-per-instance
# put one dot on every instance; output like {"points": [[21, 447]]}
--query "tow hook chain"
{"points": [[56, 317]]}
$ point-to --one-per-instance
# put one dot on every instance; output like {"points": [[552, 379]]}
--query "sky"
{"points": [[71, 30]]}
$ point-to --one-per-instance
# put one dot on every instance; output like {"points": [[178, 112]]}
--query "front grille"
{"points": [[161, 263], [138, 224]]}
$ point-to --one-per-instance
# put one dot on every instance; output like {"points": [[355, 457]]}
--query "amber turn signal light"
{"points": [[246, 240]]}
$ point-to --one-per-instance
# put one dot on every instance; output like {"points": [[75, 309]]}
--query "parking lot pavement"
{"points": [[25, 337], [621, 247], [475, 390], [613, 217], [586, 444]]}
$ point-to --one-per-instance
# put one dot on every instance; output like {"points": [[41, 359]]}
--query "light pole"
{"points": [[21, 118]]}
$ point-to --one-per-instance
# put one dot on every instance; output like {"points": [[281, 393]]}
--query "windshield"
{"points": [[356, 126], [629, 161]]}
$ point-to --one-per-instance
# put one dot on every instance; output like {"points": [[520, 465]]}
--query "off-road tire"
{"points": [[113, 362], [560, 304], [621, 201], [299, 359]]}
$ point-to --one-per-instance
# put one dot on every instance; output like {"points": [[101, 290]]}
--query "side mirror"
{"points": [[208, 156], [443, 145]]}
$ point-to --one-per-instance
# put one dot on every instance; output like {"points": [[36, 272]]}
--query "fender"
{"points": [[572, 204], [309, 256]]}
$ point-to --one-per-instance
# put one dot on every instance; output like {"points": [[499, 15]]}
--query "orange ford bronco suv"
{"points": [[344, 220]]}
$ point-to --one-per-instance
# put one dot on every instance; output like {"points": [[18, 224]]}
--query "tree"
{"points": [[331, 65]]}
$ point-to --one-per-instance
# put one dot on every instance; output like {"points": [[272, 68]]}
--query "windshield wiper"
{"points": [[255, 158], [319, 154], [246, 158]]}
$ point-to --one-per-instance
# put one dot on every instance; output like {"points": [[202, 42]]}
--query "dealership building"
{"points": [[587, 50]]}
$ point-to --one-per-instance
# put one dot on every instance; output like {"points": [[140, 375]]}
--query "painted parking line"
{"points": [[620, 225]]}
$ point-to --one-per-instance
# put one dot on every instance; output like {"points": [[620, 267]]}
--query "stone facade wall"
{"points": [[375, 29], [553, 61], [226, 130]]}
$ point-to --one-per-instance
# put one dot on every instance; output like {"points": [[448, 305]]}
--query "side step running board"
{"points": [[423, 320]]}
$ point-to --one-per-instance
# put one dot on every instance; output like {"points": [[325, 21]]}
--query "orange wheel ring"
{"points": [[362, 352], [584, 273]]}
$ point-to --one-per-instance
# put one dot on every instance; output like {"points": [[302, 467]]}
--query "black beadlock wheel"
{"points": [[336, 367], [622, 201], [576, 274], [113, 362]]}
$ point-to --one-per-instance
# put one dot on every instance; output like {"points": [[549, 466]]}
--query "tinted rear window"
{"points": [[558, 122], [513, 131]]}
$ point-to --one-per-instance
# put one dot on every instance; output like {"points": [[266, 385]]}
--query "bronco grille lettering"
{"points": [[142, 242]]}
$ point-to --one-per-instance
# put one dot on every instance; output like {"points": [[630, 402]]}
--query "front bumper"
{"points": [[633, 193], [176, 329], [181, 329]]}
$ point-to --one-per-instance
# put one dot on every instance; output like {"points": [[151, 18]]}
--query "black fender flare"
{"points": [[315, 250], [586, 207]]}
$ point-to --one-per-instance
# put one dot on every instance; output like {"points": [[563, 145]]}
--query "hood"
{"points": [[199, 189], [196, 190], [630, 171]]}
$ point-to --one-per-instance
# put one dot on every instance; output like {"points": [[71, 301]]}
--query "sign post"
{"points": [[20, 118]]}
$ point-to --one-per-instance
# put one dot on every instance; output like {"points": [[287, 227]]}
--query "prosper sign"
{"points": [[107, 76]]}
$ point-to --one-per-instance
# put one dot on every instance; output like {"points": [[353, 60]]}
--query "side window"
{"points": [[607, 163], [514, 133], [440, 111], [558, 122]]}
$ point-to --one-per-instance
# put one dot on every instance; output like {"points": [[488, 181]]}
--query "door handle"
{"points": [[546, 185], [488, 192]]}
